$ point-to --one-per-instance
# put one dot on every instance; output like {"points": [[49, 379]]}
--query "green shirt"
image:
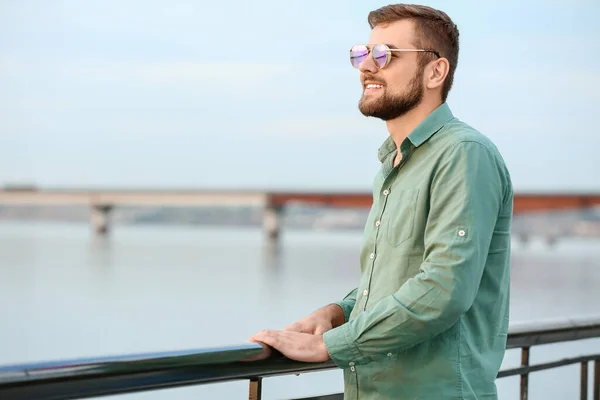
{"points": [[429, 318]]}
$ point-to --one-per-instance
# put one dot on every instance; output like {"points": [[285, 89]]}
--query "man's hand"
{"points": [[320, 321], [294, 345]]}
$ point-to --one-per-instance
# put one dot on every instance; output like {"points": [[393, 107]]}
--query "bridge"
{"points": [[102, 201]]}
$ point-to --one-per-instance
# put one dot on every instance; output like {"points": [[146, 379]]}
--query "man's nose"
{"points": [[368, 65]]}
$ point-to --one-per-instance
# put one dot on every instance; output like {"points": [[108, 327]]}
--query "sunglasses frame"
{"points": [[388, 52]]}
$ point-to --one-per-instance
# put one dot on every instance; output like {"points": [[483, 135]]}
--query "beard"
{"points": [[389, 106]]}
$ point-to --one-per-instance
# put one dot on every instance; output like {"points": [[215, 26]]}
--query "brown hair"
{"points": [[434, 30]]}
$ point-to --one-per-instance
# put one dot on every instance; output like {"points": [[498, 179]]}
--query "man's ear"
{"points": [[436, 73]]}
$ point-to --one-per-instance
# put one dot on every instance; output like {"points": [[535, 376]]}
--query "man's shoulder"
{"points": [[456, 133]]}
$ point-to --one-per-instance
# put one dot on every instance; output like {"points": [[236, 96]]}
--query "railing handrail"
{"points": [[96, 376], [553, 324]]}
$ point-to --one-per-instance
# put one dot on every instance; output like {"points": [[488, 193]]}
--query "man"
{"points": [[429, 318]]}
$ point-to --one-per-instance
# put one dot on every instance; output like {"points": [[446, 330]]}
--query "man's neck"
{"points": [[401, 127]]}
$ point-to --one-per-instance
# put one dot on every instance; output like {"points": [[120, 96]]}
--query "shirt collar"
{"points": [[427, 128]]}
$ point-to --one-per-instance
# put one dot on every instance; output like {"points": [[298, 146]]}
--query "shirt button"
{"points": [[372, 256], [461, 233], [365, 292], [389, 354], [386, 192], [351, 364], [377, 223]]}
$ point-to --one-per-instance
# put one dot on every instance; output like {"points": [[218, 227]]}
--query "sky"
{"points": [[261, 94]]}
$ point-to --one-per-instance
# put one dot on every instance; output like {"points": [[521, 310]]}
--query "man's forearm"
{"points": [[335, 313]]}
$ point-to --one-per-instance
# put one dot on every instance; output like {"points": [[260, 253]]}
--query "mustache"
{"points": [[371, 78]]}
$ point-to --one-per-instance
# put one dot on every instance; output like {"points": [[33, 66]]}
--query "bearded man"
{"points": [[429, 316]]}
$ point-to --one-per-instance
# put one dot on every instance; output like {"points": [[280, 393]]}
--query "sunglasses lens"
{"points": [[380, 55], [358, 54]]}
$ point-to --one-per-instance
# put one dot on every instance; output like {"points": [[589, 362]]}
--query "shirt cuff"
{"points": [[347, 306], [343, 352]]}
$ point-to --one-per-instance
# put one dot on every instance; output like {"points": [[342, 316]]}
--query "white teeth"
{"points": [[374, 86]]}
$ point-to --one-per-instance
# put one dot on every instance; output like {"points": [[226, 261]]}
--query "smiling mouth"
{"points": [[372, 88]]}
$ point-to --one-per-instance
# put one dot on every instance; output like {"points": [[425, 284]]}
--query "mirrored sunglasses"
{"points": [[380, 53]]}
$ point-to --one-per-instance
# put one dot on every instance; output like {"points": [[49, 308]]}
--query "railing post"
{"points": [[597, 380], [525, 376], [584, 381], [255, 390]]}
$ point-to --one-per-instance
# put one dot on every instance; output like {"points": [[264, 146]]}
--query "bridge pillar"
{"points": [[272, 221], [100, 214]]}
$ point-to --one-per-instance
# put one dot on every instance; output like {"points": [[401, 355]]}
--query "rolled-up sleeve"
{"points": [[466, 196], [347, 303]]}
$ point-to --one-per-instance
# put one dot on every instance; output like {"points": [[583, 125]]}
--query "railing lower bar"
{"points": [[549, 365]]}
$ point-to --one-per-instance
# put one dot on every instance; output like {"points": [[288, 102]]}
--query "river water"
{"points": [[65, 293]]}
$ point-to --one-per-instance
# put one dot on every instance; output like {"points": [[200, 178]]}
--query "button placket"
{"points": [[372, 256], [386, 192]]}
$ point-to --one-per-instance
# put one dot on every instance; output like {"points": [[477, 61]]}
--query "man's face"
{"points": [[400, 82]]}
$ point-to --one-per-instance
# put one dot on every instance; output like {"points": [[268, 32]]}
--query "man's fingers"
{"points": [[294, 345], [293, 328], [266, 353], [263, 345], [268, 337], [296, 327], [283, 341]]}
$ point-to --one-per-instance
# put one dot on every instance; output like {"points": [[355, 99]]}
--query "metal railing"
{"points": [[94, 377]]}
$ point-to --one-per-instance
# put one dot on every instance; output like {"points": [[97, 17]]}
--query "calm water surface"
{"points": [[65, 293]]}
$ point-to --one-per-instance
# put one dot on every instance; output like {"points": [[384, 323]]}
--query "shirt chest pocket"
{"points": [[399, 215]]}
